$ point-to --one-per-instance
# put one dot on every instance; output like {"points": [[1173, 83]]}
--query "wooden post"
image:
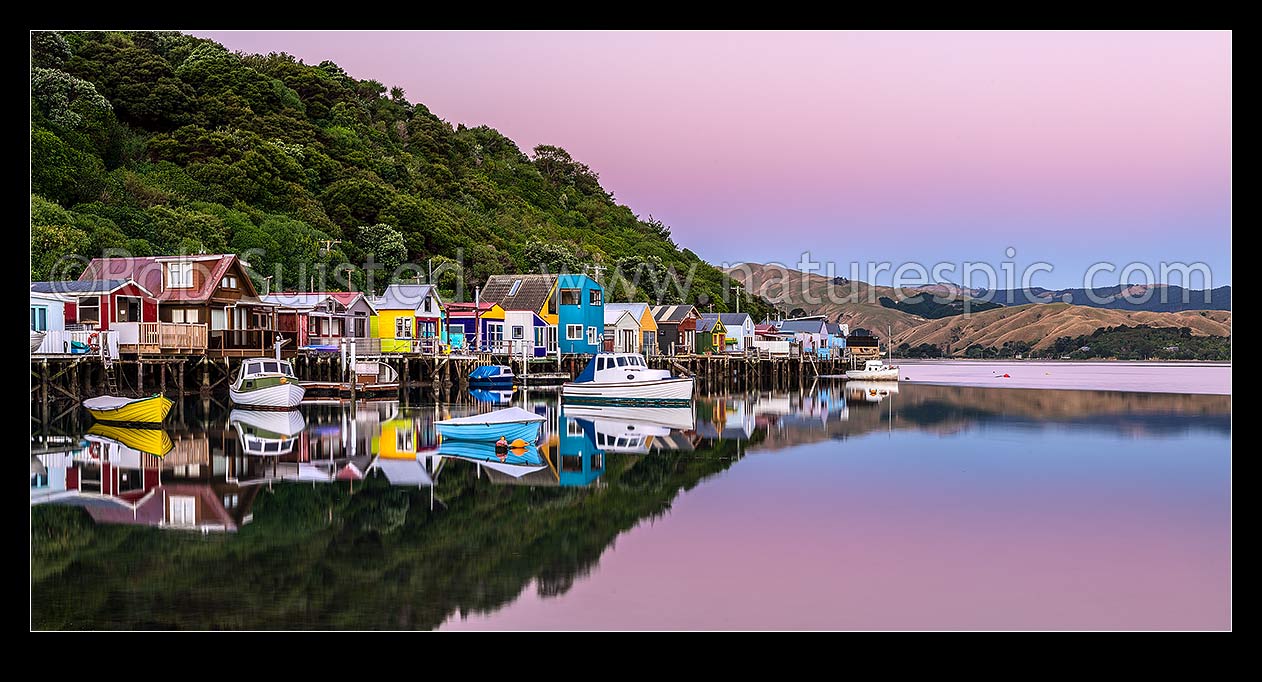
{"points": [[140, 376], [43, 379]]}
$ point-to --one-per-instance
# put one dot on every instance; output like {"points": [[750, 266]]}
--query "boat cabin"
{"points": [[261, 367], [492, 373], [620, 367]]}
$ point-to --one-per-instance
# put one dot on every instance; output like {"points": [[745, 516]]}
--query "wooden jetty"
{"points": [[60, 383]]}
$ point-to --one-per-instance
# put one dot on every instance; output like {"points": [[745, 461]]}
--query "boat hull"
{"points": [[493, 384], [527, 431], [662, 392], [890, 374], [37, 340], [277, 397], [151, 410]]}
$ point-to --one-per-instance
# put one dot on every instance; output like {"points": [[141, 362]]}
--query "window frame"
{"points": [[572, 337], [183, 268], [140, 305], [403, 323], [596, 298], [576, 294], [39, 318], [80, 307]]}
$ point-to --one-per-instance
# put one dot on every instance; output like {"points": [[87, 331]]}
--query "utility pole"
{"points": [[477, 305], [738, 289], [267, 284], [430, 279], [598, 269]]}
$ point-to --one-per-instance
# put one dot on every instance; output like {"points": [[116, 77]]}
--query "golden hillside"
{"points": [[1040, 325], [855, 302]]}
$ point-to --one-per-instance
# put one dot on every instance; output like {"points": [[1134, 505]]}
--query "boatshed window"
{"points": [[90, 309], [39, 318], [571, 296], [592, 337], [574, 332], [128, 309], [519, 332], [180, 275], [597, 296], [185, 315], [402, 328]]}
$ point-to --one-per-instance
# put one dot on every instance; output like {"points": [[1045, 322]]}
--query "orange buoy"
{"points": [[518, 444], [1006, 376]]}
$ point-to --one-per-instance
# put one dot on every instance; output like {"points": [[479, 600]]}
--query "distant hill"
{"points": [[930, 309], [791, 290], [1164, 298], [1039, 325]]}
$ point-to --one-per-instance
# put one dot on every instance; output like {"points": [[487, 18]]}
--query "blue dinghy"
{"points": [[511, 422]]}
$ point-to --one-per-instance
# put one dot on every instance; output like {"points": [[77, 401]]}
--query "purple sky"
{"points": [[1072, 148]]}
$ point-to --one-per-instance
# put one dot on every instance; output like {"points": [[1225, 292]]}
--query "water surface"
{"points": [[935, 507]]}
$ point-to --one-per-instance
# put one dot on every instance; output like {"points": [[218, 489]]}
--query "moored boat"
{"points": [[266, 383], [510, 423], [267, 432], [515, 462], [155, 442], [870, 391], [874, 370], [617, 378], [499, 397], [119, 410], [492, 376], [37, 339]]}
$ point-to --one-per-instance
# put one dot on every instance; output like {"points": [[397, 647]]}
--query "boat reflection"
{"points": [[871, 391], [632, 429], [267, 432], [483, 395]]}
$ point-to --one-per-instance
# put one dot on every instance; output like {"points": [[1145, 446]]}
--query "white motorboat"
{"points": [[267, 432], [614, 378], [874, 370], [870, 391], [678, 418], [266, 382]]}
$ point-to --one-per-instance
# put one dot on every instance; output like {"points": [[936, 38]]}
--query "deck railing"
{"points": [[162, 337], [61, 342]]}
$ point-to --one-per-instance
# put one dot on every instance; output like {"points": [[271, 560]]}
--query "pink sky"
{"points": [[1070, 147]]}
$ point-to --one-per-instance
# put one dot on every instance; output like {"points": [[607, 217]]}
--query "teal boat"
{"points": [[511, 423], [515, 462]]}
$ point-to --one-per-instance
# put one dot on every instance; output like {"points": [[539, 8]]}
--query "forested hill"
{"points": [[161, 143]]}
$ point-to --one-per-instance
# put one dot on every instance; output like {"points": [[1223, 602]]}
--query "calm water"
{"points": [[937, 507]]}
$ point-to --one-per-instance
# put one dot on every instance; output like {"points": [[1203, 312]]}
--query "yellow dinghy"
{"points": [[153, 441], [109, 408]]}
